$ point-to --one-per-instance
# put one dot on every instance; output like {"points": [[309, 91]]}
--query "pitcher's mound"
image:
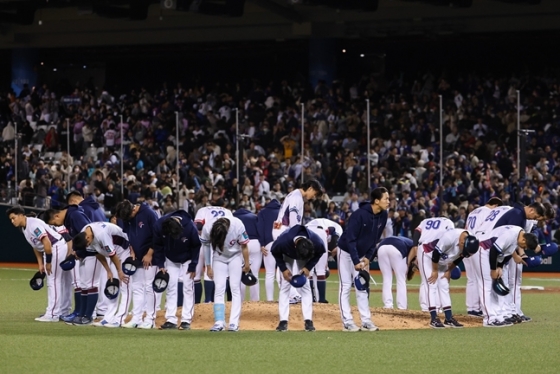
{"points": [[263, 316]]}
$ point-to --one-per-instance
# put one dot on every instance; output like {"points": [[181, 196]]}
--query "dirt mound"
{"points": [[263, 316]]}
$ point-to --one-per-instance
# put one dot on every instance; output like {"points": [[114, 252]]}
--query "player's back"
{"points": [[325, 224], [293, 202], [491, 218], [209, 214], [431, 229], [476, 218]]}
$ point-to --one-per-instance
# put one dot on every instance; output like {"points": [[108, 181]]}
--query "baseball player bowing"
{"points": [[138, 222], [265, 223], [249, 220], [176, 250], [357, 244], [329, 231], [228, 241], [436, 259], [497, 248], [296, 248], [107, 240], [49, 247], [392, 254]]}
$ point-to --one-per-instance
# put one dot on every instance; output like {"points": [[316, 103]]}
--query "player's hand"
{"points": [[277, 225], [359, 266], [538, 249], [209, 272], [163, 270], [109, 275], [334, 251], [305, 272], [132, 254], [41, 268], [48, 268], [447, 275], [433, 278], [123, 277], [366, 263], [287, 274], [495, 274], [246, 267], [147, 261], [191, 274], [264, 251]]}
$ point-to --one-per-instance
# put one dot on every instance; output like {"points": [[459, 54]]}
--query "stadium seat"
{"points": [[38, 147], [57, 156], [49, 155]]}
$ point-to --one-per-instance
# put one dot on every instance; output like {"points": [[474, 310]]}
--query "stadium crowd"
{"points": [[479, 136]]}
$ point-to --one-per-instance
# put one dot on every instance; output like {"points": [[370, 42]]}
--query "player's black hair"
{"points": [[16, 209], [539, 209], [377, 194], [49, 214], [79, 241], [315, 185], [31, 214], [549, 211], [531, 241], [218, 234], [495, 201], [124, 210], [172, 227], [304, 248], [73, 193]]}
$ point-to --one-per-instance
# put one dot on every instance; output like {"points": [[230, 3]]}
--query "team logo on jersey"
{"points": [[140, 224], [245, 236], [107, 249], [37, 232], [232, 243]]}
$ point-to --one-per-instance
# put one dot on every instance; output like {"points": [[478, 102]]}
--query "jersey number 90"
{"points": [[432, 225]]}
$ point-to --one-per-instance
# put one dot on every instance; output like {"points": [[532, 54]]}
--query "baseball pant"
{"points": [[67, 279], [159, 295], [285, 288], [390, 259], [472, 297], [143, 295], [347, 273], [320, 269], [255, 258], [488, 298], [233, 270], [102, 301], [117, 308], [513, 280], [178, 272], [293, 291], [270, 267], [90, 271], [441, 286], [55, 281]]}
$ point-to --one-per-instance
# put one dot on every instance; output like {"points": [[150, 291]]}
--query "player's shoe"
{"points": [[516, 319], [112, 325], [47, 319], [495, 324], [350, 327], [436, 324], [526, 319], [282, 326], [452, 322], [233, 328], [369, 326], [323, 302], [309, 325], [130, 325], [69, 317], [101, 323], [475, 313], [82, 321], [185, 326], [168, 326], [218, 326], [295, 300], [145, 326]]}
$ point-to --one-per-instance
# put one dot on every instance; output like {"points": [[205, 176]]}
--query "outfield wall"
{"points": [[14, 248]]}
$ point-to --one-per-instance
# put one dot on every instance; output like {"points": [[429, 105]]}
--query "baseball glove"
{"points": [[412, 268]]}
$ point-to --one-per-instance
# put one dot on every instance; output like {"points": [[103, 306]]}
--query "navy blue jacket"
{"points": [[400, 242], [362, 233], [181, 250], [285, 245], [140, 230], [249, 219], [265, 221], [514, 217], [92, 210], [75, 220]]}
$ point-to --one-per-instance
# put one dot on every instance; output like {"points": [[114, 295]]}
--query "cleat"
{"points": [[83, 321], [295, 300], [168, 326], [369, 326], [309, 325], [112, 325], [145, 326], [525, 319], [218, 326], [323, 302], [436, 324], [475, 313], [130, 325], [47, 319], [101, 323], [282, 326], [350, 327], [69, 318], [496, 324], [233, 328], [452, 323], [185, 326]]}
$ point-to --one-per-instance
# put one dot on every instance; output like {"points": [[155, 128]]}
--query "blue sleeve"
{"points": [[352, 233], [276, 251], [79, 221], [195, 244], [261, 230], [157, 245]]}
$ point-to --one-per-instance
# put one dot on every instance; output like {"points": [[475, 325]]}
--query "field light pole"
{"points": [[302, 145], [237, 154], [518, 135], [440, 155], [122, 158], [177, 154], [68, 150], [368, 163]]}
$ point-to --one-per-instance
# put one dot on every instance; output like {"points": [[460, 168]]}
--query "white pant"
{"points": [[90, 270], [285, 289], [440, 288], [178, 273], [270, 267], [472, 297], [255, 258], [103, 302], [117, 308], [222, 271], [56, 280], [347, 273], [488, 298], [515, 278], [143, 295], [390, 259], [200, 267]]}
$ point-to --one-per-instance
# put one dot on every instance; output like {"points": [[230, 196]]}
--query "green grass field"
{"points": [[32, 347]]}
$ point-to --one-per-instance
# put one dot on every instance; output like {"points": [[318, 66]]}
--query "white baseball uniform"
{"points": [[226, 264], [109, 240], [392, 256], [34, 232], [69, 281]]}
